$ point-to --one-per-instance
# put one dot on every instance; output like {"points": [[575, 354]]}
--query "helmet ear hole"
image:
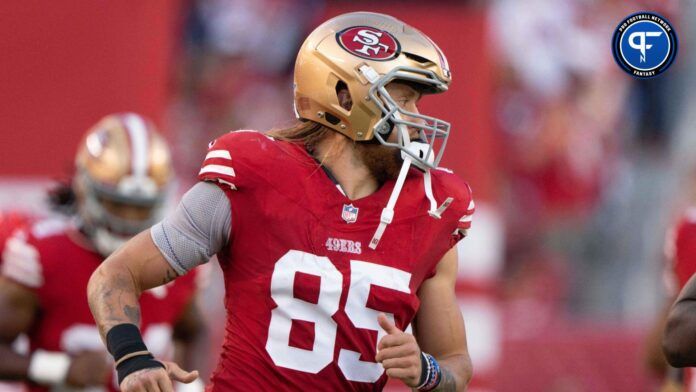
{"points": [[332, 119], [343, 95]]}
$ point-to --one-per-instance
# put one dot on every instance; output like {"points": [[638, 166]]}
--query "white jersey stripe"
{"points": [[466, 218], [224, 154], [137, 131], [217, 169]]}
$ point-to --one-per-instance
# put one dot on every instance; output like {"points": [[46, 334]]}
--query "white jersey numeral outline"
{"points": [[362, 276]]}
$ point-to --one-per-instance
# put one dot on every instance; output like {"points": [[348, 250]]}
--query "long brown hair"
{"points": [[307, 133], [383, 162]]}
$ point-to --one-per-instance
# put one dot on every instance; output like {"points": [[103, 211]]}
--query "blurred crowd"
{"points": [[235, 69], [585, 153]]}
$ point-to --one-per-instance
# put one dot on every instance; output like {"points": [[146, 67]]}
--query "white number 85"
{"points": [[362, 275]]}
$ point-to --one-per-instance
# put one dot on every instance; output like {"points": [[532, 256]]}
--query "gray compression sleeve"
{"points": [[198, 228]]}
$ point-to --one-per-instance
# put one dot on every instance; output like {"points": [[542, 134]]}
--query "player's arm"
{"points": [[19, 305], [439, 326], [654, 357], [113, 293], [439, 332], [115, 287], [189, 334], [679, 343], [18, 308], [197, 229]]}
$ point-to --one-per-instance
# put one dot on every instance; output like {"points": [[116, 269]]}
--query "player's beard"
{"points": [[383, 162]]}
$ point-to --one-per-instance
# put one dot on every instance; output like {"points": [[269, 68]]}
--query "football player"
{"points": [[122, 175], [11, 221], [679, 344], [333, 235], [680, 257]]}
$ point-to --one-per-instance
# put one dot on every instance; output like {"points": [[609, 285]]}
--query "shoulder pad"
{"points": [[49, 227], [230, 152], [21, 261]]}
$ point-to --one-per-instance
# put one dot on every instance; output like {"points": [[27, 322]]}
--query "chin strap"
{"points": [[388, 212]]}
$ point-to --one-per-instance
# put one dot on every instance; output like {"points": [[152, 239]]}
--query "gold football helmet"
{"points": [[123, 169], [363, 52]]}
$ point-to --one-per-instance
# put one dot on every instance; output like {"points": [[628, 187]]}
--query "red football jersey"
{"points": [[680, 249], [11, 221], [683, 246], [54, 260], [303, 289]]}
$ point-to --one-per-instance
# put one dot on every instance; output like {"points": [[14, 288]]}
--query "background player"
{"points": [[121, 181], [10, 221], [679, 345], [680, 255]]}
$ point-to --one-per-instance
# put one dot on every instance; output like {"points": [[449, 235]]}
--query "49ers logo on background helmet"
{"points": [[369, 43]]}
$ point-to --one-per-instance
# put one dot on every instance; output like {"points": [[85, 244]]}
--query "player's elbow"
{"points": [[675, 355], [109, 274], [464, 372], [96, 282], [467, 374], [678, 343]]}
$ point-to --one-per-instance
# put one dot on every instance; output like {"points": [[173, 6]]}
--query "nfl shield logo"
{"points": [[350, 213]]}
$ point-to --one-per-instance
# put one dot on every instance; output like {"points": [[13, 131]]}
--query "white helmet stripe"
{"points": [[137, 131]]}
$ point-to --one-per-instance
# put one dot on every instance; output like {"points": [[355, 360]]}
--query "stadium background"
{"points": [[577, 168]]}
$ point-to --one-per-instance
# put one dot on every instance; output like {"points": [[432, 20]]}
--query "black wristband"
{"points": [[124, 339], [134, 364]]}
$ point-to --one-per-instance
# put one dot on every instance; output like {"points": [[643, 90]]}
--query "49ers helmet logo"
{"points": [[369, 43]]}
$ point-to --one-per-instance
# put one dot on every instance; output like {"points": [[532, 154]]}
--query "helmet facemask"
{"points": [[113, 216], [427, 151]]}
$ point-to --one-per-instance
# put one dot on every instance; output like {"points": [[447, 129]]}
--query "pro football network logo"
{"points": [[369, 43], [350, 213], [644, 44]]}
